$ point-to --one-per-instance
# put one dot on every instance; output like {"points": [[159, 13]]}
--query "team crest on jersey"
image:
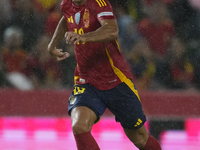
{"points": [[72, 100], [77, 17], [86, 18]]}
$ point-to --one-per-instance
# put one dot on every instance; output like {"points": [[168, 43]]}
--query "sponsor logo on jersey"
{"points": [[77, 17], [86, 18], [105, 14]]}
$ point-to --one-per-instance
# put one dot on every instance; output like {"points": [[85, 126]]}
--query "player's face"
{"points": [[79, 2]]}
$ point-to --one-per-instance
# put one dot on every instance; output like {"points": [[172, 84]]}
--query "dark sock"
{"points": [[152, 144], [85, 141]]}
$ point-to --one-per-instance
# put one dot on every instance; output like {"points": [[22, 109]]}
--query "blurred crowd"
{"points": [[160, 40]]}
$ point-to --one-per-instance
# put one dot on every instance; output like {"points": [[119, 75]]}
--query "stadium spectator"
{"points": [[12, 53], [15, 58], [157, 27], [180, 67], [128, 33], [141, 64]]}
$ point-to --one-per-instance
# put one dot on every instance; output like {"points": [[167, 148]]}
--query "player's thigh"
{"points": [[82, 119], [127, 106], [84, 102]]}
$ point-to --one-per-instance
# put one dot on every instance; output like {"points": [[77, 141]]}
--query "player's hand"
{"points": [[57, 54], [75, 38]]}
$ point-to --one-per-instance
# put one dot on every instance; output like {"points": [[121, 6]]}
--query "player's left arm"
{"points": [[58, 35], [107, 32]]}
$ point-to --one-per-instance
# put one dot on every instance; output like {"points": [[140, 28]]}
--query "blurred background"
{"points": [[160, 39]]}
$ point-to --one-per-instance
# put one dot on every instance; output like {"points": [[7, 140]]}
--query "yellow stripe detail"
{"points": [[72, 20], [101, 3], [98, 3], [122, 77], [132, 87], [75, 78], [104, 3], [117, 44]]}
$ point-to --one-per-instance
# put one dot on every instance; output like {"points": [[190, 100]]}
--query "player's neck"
{"points": [[79, 2]]}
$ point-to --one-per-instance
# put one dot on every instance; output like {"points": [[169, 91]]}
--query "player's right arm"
{"points": [[58, 35]]}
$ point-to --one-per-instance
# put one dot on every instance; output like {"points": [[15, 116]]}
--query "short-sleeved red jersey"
{"points": [[99, 64]]}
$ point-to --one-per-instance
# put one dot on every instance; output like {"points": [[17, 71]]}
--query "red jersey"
{"points": [[99, 64]]}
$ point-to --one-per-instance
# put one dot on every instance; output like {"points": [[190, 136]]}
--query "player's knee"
{"points": [[82, 119], [138, 137], [79, 127], [140, 142]]}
